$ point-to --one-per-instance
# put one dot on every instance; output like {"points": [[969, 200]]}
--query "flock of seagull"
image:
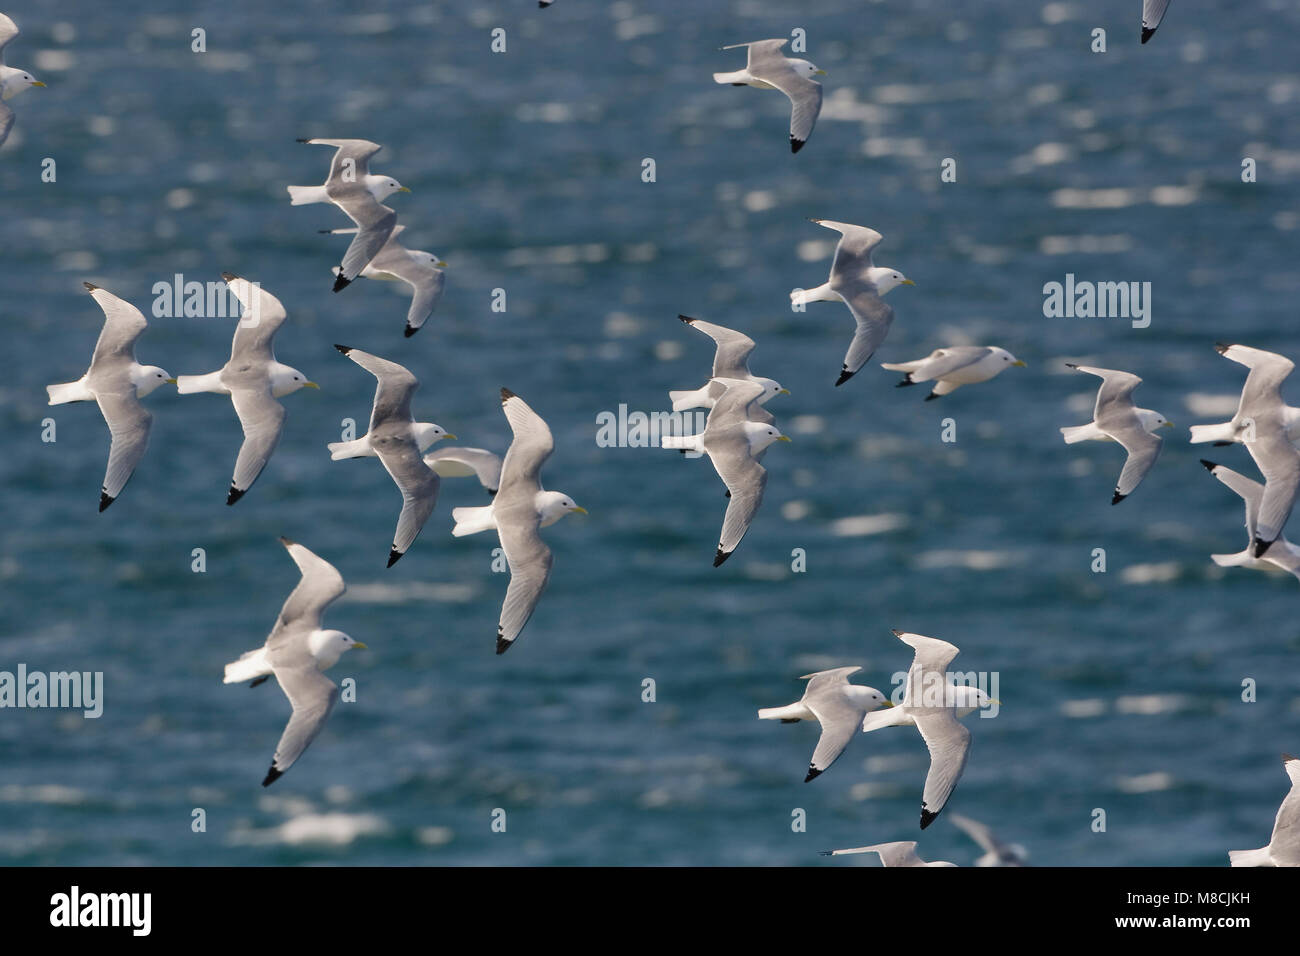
{"points": [[737, 434]]}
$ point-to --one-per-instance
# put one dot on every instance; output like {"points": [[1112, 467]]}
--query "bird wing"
{"points": [[461, 462], [528, 451], [393, 393], [731, 360], [262, 316], [313, 696], [262, 419], [417, 482], [1143, 449], [1284, 846], [530, 563], [319, 587], [129, 423], [949, 743], [123, 324]]}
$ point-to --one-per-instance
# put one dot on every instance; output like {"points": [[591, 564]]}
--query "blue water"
{"points": [[1120, 690]]}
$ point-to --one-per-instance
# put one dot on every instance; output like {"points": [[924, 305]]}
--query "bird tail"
{"points": [[358, 448], [788, 712], [1204, 433], [684, 400], [68, 392], [900, 366], [1233, 560], [250, 666], [1258, 857], [1075, 433], [306, 195], [684, 442], [189, 384], [472, 520], [738, 78]]}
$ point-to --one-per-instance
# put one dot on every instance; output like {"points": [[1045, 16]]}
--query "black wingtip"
{"points": [[90, 286], [927, 818], [506, 395], [1209, 465], [898, 632], [409, 331], [1071, 365], [260, 680], [502, 644], [812, 772], [685, 318], [304, 141], [1147, 32], [393, 555], [1222, 347], [825, 852], [287, 542], [907, 380], [272, 776], [104, 501], [1117, 498], [796, 144], [229, 276], [234, 495], [845, 375], [345, 349], [492, 492], [1222, 444], [1261, 546], [932, 396], [720, 557], [341, 283]]}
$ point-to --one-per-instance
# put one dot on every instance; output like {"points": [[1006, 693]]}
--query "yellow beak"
{"points": [[908, 282], [403, 189], [357, 645], [820, 72], [440, 264], [310, 385], [580, 509], [888, 703], [449, 435], [784, 391], [785, 438], [1019, 363], [1167, 425], [37, 83], [171, 381]]}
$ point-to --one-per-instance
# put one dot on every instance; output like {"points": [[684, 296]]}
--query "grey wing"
{"points": [[977, 831], [394, 391], [762, 54], [375, 223], [320, 585], [853, 252], [805, 97], [426, 283], [946, 361], [352, 157], [262, 419], [418, 485], [1116, 393], [731, 360], [829, 680], [313, 696], [8, 30], [901, 853], [949, 744], [1153, 11], [6, 121], [1251, 491], [528, 451], [1143, 449], [736, 403], [1285, 843], [840, 721], [128, 422], [262, 315], [530, 563], [874, 316], [1280, 464], [745, 479], [458, 462], [123, 324]]}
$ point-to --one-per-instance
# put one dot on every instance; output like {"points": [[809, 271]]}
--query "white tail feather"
{"points": [[472, 520], [306, 195], [1074, 433], [688, 442], [69, 392], [1204, 433], [788, 712], [250, 666], [358, 448]]}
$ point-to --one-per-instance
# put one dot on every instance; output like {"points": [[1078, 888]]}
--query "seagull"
{"points": [[902, 853], [296, 653], [359, 193], [996, 853], [859, 285], [460, 462], [422, 271], [733, 441], [117, 382], [1153, 11], [933, 705], [253, 379], [834, 703], [768, 69], [395, 438], [1284, 846], [12, 80], [1115, 418], [730, 361], [1260, 423], [1283, 554], [518, 510], [951, 368]]}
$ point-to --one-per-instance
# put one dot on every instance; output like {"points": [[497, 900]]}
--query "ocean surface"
{"points": [[1121, 691]]}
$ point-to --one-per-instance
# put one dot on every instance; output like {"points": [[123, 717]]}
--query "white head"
{"points": [[885, 278], [760, 436], [554, 505], [868, 697], [1153, 420], [428, 259], [328, 646], [804, 68], [13, 82], [146, 378], [1006, 357], [967, 698], [427, 433], [771, 387], [381, 187], [285, 380]]}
